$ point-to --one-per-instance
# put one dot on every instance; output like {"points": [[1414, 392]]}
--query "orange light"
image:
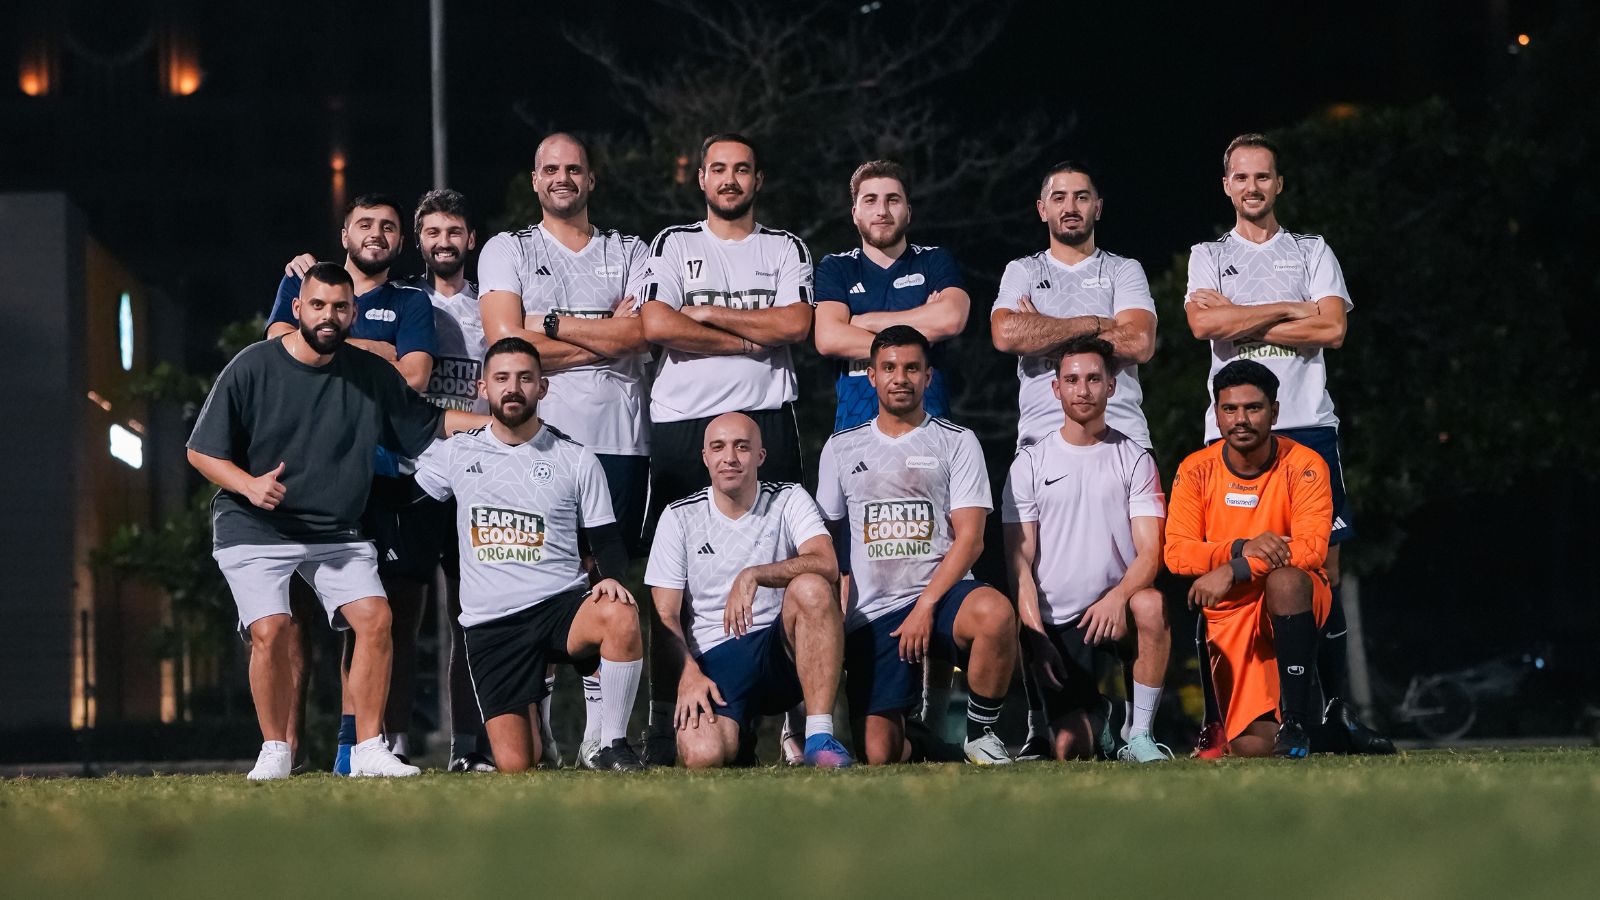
{"points": [[97, 400], [1342, 111], [1523, 40], [336, 161], [180, 65], [34, 72], [682, 175]]}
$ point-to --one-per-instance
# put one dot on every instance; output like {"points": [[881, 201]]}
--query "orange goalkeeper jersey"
{"points": [[1212, 506]]}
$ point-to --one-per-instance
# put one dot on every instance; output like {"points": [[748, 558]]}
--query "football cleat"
{"points": [[823, 751], [587, 751], [619, 757], [1292, 741], [927, 747], [273, 763], [1358, 738], [660, 749], [987, 750], [1142, 748], [472, 762], [372, 759], [1210, 744], [793, 753], [1036, 748]]}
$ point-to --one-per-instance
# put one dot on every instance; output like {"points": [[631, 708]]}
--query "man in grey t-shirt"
{"points": [[307, 413]]}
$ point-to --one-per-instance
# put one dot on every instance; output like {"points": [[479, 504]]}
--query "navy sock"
{"points": [[347, 731]]}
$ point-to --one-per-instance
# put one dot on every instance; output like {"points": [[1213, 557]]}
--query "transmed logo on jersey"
{"points": [[897, 529], [501, 535]]}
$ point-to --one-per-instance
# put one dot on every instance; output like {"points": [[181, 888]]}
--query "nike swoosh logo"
{"points": [[1050, 481]]}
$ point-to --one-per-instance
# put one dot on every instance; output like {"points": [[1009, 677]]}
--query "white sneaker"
{"points": [[274, 762], [987, 750], [586, 754], [372, 758]]}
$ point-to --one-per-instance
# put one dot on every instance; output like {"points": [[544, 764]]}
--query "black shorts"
{"points": [[678, 470], [509, 657], [628, 479], [413, 532], [1081, 688]]}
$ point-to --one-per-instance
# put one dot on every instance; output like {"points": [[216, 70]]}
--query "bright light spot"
{"points": [[336, 161], [127, 447], [97, 400], [125, 331], [33, 84], [868, 8], [1522, 40]]}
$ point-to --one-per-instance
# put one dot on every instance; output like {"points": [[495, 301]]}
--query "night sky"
{"points": [[206, 195]]}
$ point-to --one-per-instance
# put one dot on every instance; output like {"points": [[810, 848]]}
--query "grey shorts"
{"points": [[258, 575]]}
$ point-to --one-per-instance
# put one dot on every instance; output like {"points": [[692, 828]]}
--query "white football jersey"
{"points": [[898, 494], [603, 405], [1103, 284], [690, 266], [1287, 267], [1084, 499], [453, 384], [700, 551], [518, 511]]}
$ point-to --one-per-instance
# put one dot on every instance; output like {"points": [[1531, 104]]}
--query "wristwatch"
{"points": [[552, 324]]}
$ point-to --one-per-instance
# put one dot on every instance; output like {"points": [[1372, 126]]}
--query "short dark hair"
{"points": [[373, 201], [1242, 372], [1069, 165], [1088, 343], [1253, 140], [509, 345], [900, 336], [879, 168], [331, 274], [732, 137], [442, 200]]}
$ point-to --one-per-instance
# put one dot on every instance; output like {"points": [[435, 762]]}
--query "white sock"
{"points": [[619, 685], [462, 744], [819, 725], [1145, 701], [661, 713], [545, 704], [591, 708], [396, 741]]}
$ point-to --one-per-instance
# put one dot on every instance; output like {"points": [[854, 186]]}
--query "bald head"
{"points": [[561, 176], [733, 453]]}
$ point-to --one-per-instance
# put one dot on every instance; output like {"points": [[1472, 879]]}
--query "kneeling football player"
{"points": [[523, 490], [1083, 512], [912, 491], [753, 563], [1250, 516]]}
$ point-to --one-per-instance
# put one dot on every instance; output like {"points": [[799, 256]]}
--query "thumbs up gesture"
{"points": [[266, 491]]}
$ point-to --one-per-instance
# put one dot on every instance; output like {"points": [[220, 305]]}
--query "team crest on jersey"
{"points": [[897, 529], [542, 472], [503, 535]]}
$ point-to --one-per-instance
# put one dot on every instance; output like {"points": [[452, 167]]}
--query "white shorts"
{"points": [[258, 575]]}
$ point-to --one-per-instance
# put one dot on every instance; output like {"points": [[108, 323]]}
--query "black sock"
{"points": [[1295, 639], [1202, 654], [1333, 661], [982, 712]]}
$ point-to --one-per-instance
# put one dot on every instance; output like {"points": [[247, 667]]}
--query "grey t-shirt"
{"points": [[323, 423]]}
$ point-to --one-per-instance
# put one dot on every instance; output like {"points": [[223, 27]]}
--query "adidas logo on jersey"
{"points": [[1229, 271], [1043, 285], [476, 468], [542, 270], [857, 288], [860, 467], [705, 550]]}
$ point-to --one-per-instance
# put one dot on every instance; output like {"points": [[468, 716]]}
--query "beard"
{"points": [[444, 268], [512, 420], [376, 266], [323, 346], [870, 236], [1258, 215], [738, 211], [1074, 238]]}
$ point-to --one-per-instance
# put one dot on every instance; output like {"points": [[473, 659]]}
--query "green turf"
{"points": [[1433, 824]]}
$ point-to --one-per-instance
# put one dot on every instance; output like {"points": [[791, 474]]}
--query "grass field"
{"points": [[1426, 824]]}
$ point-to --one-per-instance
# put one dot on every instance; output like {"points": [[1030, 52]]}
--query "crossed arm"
{"points": [[719, 331], [580, 341], [1291, 323], [1028, 332], [843, 336]]}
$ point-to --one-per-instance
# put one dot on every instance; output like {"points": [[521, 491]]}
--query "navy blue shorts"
{"points": [[879, 681], [1325, 440], [754, 674]]}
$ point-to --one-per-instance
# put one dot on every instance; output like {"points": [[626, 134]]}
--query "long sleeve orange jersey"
{"points": [[1212, 506]]}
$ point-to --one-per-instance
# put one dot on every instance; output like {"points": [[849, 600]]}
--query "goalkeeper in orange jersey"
{"points": [[1250, 515]]}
